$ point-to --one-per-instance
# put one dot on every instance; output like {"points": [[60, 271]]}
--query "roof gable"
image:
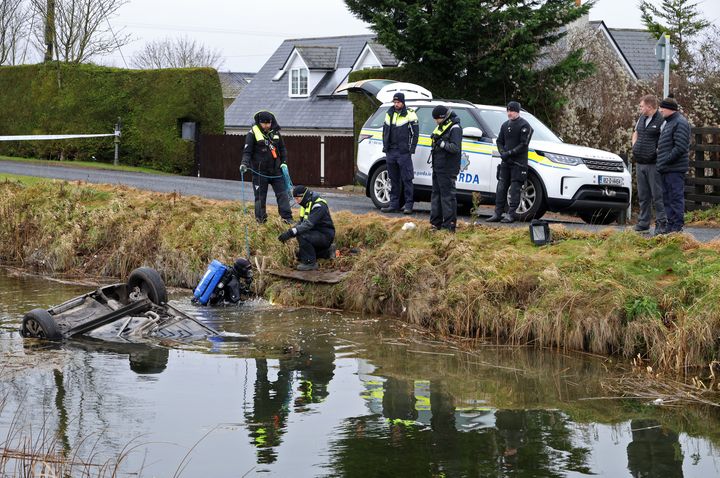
{"points": [[320, 109]]}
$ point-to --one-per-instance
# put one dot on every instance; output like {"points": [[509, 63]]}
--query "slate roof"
{"points": [[383, 54], [319, 57], [638, 47], [317, 111], [233, 83]]}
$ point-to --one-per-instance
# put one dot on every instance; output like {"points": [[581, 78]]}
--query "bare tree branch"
{"points": [[176, 53], [14, 18], [82, 30]]}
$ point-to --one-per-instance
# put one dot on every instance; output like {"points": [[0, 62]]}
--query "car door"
{"points": [[423, 170], [476, 161]]}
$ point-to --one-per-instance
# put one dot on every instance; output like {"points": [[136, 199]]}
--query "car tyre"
{"points": [[601, 217], [39, 323], [532, 199], [149, 282], [380, 187]]}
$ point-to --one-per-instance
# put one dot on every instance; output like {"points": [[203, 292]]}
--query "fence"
{"points": [[312, 160], [702, 186]]}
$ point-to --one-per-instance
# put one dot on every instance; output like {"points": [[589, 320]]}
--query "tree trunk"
{"points": [[49, 30]]}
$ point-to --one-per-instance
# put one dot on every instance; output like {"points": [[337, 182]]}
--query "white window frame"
{"points": [[295, 80]]}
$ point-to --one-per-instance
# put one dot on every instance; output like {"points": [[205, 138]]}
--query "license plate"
{"points": [[610, 180]]}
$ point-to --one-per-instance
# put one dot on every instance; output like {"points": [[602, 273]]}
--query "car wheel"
{"points": [[40, 324], [532, 199], [146, 281], [380, 187], [601, 217]]}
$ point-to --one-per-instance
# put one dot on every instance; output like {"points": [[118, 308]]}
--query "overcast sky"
{"points": [[247, 33]]}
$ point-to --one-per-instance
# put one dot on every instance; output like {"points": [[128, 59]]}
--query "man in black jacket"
{"points": [[400, 137], [315, 232], [649, 184], [512, 143], [264, 153], [673, 156], [445, 155]]}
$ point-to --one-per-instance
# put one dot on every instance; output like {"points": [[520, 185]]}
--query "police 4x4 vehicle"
{"points": [[593, 183]]}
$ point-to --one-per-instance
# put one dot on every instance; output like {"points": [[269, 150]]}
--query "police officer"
{"points": [[512, 143], [400, 138], [644, 148], [264, 152], [445, 156], [315, 232]]}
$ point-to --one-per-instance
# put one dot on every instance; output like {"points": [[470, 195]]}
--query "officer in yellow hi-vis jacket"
{"points": [[315, 232], [400, 138], [263, 154]]}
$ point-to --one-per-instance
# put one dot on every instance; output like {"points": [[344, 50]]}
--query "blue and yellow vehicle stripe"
{"points": [[477, 147]]}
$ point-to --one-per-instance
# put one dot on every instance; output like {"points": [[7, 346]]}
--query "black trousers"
{"points": [[401, 172], [260, 188], [510, 176], [314, 244], [443, 202]]}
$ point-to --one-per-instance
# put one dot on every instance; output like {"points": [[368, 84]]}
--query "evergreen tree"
{"points": [[681, 19], [484, 50]]}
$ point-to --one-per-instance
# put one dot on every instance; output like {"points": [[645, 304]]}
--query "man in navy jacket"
{"points": [[673, 159]]}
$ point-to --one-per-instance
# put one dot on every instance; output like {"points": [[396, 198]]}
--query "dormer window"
{"points": [[299, 82]]}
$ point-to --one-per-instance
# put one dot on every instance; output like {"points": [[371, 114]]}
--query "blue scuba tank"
{"points": [[209, 281]]}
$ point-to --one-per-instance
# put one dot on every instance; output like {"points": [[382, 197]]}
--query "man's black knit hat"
{"points": [[669, 103], [440, 111]]}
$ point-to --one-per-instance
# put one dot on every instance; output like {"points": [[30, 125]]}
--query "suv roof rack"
{"points": [[443, 99]]}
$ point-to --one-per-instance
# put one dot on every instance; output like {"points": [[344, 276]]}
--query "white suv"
{"points": [[562, 177]]}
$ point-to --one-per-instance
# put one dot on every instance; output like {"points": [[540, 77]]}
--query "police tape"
{"points": [[42, 137]]}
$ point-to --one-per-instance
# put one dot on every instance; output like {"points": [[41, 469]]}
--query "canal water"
{"points": [[296, 393]]}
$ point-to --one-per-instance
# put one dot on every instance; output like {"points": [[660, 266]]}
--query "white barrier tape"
{"points": [[52, 136]]}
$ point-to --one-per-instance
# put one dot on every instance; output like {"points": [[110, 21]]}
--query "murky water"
{"points": [[314, 393]]}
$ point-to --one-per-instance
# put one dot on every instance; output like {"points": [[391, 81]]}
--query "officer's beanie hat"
{"points": [[399, 97], [514, 106], [265, 117], [299, 191], [669, 103], [439, 111], [241, 264]]}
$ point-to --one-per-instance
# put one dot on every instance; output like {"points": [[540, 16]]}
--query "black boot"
{"points": [[494, 218]]}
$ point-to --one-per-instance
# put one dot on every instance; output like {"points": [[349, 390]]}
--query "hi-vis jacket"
{"points": [[400, 131], [314, 216], [264, 152]]}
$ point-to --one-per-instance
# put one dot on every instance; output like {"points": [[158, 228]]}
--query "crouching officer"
{"points": [[512, 143], [265, 152], [315, 232]]}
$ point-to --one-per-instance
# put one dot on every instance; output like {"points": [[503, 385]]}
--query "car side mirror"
{"points": [[472, 132]]}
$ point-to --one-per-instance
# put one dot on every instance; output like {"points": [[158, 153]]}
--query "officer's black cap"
{"points": [[514, 106], [440, 111], [299, 191]]}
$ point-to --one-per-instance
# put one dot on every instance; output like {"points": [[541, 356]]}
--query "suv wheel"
{"points": [[532, 199], [380, 187], [601, 217]]}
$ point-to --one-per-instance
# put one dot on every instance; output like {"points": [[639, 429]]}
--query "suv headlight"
{"points": [[563, 159]]}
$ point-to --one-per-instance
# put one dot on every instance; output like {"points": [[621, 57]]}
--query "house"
{"points": [[635, 49], [232, 83], [299, 82]]}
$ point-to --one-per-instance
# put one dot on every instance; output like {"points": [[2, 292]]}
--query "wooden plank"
{"points": [[709, 181], [325, 277], [702, 198], [706, 131], [705, 147], [705, 164], [339, 160]]}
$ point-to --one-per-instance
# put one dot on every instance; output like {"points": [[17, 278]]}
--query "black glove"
{"points": [[504, 155], [243, 169], [286, 236]]}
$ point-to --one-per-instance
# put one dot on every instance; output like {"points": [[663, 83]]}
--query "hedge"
{"points": [[67, 99]]}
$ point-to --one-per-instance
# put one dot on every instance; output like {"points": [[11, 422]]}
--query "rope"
{"points": [[247, 234], [264, 176], [52, 136]]}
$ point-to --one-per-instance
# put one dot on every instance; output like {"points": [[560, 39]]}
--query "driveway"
{"points": [[233, 191]]}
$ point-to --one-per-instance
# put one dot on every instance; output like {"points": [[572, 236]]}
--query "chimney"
{"points": [[578, 3]]}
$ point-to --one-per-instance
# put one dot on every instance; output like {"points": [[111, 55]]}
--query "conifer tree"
{"points": [[681, 19]]}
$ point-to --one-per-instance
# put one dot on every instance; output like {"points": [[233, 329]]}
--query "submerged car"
{"points": [[128, 312], [562, 177]]}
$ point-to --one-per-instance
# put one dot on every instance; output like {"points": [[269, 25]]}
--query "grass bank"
{"points": [[83, 164], [609, 293]]}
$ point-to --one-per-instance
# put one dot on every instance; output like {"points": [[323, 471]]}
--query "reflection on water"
{"points": [[308, 393]]}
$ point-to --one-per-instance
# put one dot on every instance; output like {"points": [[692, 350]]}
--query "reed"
{"points": [[610, 293]]}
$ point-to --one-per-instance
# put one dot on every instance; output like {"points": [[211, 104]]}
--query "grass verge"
{"points": [[609, 293], [83, 164]]}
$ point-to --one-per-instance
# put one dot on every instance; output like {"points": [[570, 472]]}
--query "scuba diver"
{"points": [[223, 284]]}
